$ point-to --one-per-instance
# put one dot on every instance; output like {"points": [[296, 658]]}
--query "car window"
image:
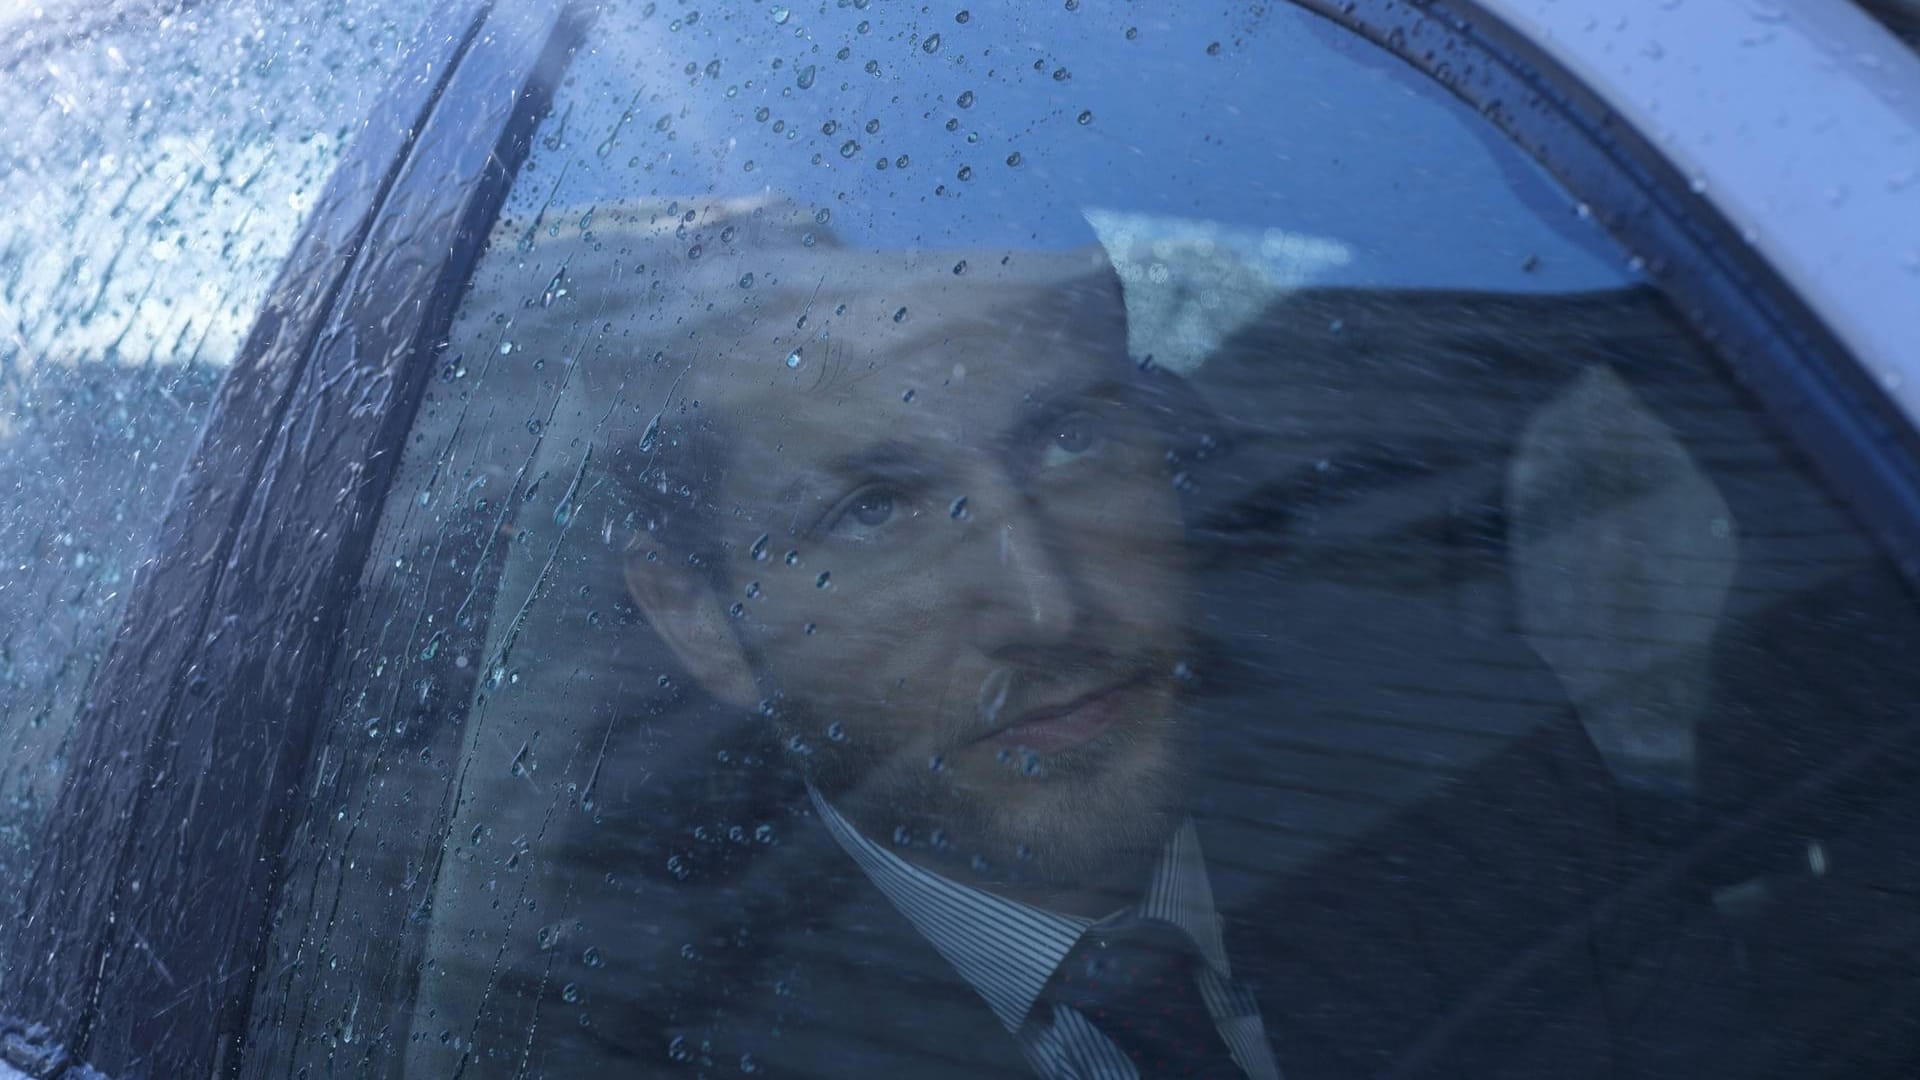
{"points": [[1069, 539], [1900, 16], [154, 173]]}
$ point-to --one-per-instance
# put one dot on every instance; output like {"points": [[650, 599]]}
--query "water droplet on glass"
{"points": [[965, 100], [763, 834], [753, 590], [793, 558], [907, 396], [793, 359], [849, 148], [591, 957], [1085, 117], [837, 731], [958, 511], [962, 16], [780, 15], [804, 80], [1132, 32], [1013, 159], [900, 316], [821, 582], [758, 552], [809, 629], [965, 173], [694, 252], [737, 610], [1061, 74], [1213, 49], [570, 993], [931, 45], [936, 763]]}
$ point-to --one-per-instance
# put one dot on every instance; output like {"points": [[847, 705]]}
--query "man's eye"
{"points": [[872, 508], [865, 511], [1071, 437]]}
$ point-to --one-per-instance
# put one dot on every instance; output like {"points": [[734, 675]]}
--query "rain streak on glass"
{"points": [[157, 172]]}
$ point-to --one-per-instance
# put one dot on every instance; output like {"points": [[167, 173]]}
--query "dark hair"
{"points": [[664, 482]]}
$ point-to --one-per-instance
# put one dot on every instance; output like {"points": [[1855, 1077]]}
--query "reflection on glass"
{"points": [[154, 176], [892, 579]]}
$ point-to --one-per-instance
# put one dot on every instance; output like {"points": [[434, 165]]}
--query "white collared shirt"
{"points": [[1008, 951]]}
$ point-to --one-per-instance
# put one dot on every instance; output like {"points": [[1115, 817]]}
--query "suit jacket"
{"points": [[1465, 936]]}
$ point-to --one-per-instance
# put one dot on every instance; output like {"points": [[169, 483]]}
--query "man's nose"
{"points": [[1011, 575]]}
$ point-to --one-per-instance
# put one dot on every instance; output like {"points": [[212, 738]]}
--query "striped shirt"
{"points": [[1007, 951]]}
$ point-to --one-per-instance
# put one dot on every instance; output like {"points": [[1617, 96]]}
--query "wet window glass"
{"points": [[154, 173], [1089, 540]]}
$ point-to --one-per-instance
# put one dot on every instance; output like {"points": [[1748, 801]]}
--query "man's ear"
{"points": [[687, 614]]}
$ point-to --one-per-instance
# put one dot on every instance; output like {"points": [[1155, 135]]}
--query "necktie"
{"points": [[1136, 981]]}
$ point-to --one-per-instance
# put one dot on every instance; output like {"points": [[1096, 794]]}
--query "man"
{"points": [[921, 516], [948, 563]]}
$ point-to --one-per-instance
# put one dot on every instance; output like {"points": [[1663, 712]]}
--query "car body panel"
{"points": [[1799, 123]]}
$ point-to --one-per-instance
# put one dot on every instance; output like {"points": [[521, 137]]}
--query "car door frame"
{"points": [[152, 892], [199, 725]]}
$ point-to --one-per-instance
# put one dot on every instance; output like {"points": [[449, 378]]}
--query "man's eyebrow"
{"points": [[887, 458], [1047, 404], [897, 459]]}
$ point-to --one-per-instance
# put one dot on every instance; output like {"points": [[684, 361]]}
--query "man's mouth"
{"points": [[1051, 728]]}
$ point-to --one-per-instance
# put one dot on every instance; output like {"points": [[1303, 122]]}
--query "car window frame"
{"points": [[1860, 440], [283, 403], [288, 475]]}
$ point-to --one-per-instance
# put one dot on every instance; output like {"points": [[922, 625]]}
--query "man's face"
{"points": [[968, 610]]}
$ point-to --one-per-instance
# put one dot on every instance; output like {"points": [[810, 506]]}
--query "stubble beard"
{"points": [[1092, 817]]}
